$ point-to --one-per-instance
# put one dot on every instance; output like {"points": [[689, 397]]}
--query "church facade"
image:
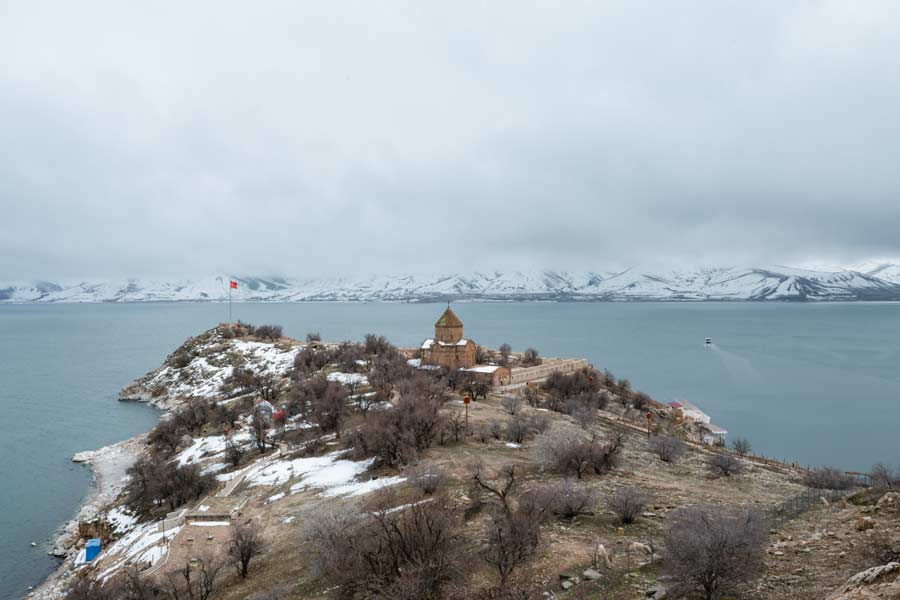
{"points": [[448, 348]]}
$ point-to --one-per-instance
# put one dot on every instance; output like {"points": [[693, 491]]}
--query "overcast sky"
{"points": [[181, 138]]}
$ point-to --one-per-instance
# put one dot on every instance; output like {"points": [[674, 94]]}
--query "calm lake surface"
{"points": [[816, 383]]}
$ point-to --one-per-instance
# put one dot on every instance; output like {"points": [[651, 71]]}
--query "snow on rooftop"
{"points": [[482, 369], [427, 344]]}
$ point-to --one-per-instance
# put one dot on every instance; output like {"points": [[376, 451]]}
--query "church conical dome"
{"points": [[448, 319]]}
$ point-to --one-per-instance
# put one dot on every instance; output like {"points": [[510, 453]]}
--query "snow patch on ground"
{"points": [[121, 520], [348, 378], [330, 473]]}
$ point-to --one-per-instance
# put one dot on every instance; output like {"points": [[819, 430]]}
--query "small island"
{"points": [[285, 468]]}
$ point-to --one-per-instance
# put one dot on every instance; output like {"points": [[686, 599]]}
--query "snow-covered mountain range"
{"points": [[871, 281]]}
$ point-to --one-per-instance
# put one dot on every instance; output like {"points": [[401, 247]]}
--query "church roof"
{"points": [[448, 319]]}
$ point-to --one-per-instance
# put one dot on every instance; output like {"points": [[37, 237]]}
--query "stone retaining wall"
{"points": [[563, 365]]}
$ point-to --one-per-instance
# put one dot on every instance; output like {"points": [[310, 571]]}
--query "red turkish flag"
{"points": [[233, 284]]}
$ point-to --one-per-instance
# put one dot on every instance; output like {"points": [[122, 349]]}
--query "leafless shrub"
{"points": [[234, 453], [313, 336], [531, 396], [496, 429], [387, 553], [741, 446], [312, 358], [511, 403], [84, 588], [712, 549], [456, 425], [268, 332], [583, 410], [328, 408], [885, 477], [517, 429], [428, 479], [180, 359], [564, 450], [246, 544], [378, 345], [640, 401], [568, 499], [602, 399], [668, 449], [511, 541], [724, 465], [563, 385], [156, 484], [483, 433], [627, 503], [195, 580], [395, 435], [827, 478]]}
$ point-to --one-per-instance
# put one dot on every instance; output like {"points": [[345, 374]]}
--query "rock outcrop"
{"points": [[882, 583]]}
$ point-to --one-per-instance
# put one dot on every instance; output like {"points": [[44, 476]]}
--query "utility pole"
{"points": [[466, 401]]}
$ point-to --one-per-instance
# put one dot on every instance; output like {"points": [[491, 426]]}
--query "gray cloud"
{"points": [[307, 138]]}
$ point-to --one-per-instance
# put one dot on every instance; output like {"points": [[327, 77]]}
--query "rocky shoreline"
{"points": [[108, 466]]}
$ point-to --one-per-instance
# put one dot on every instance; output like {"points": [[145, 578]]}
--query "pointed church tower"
{"points": [[448, 328]]}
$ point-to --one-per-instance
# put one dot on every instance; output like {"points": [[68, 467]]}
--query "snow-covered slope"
{"points": [[879, 281]]}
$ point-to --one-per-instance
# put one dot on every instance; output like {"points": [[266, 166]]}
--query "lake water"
{"points": [[816, 383]]}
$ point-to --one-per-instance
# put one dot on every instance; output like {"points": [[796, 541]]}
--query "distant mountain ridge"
{"points": [[875, 281]]}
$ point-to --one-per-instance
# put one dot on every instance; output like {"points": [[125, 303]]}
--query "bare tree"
{"points": [[329, 408], [712, 549], [194, 580], [742, 446], [668, 449], [627, 503], [511, 403], [505, 350], [260, 427], [511, 540], [724, 465], [885, 477], [456, 425], [245, 545], [531, 358], [500, 491], [313, 336], [267, 385]]}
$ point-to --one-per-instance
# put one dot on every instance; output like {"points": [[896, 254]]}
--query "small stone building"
{"points": [[448, 348], [493, 375]]}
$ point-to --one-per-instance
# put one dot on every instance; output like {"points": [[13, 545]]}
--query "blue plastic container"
{"points": [[91, 549]]}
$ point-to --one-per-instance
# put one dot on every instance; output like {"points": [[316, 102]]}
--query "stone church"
{"points": [[448, 348]]}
